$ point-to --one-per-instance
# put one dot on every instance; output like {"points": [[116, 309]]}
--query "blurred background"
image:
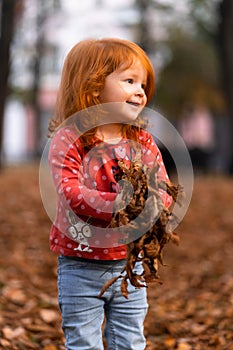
{"points": [[190, 43]]}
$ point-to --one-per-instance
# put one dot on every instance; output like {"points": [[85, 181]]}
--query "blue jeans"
{"points": [[83, 313]]}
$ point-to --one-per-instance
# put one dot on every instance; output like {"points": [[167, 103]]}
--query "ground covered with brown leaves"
{"points": [[191, 310]]}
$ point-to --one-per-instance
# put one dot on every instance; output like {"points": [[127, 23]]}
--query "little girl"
{"points": [[84, 163]]}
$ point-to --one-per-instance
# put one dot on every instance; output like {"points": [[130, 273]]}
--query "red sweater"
{"points": [[86, 189]]}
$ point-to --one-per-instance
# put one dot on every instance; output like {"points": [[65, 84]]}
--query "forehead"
{"points": [[136, 68]]}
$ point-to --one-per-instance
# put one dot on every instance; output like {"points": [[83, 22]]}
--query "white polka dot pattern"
{"points": [[83, 186]]}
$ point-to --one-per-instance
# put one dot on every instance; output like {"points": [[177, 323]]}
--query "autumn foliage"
{"points": [[141, 182], [191, 310]]}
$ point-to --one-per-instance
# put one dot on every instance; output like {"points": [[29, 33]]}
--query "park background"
{"points": [[190, 44]]}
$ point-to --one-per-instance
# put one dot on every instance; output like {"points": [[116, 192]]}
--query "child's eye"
{"points": [[130, 81], [143, 86]]}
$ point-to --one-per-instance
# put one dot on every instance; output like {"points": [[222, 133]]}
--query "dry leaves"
{"points": [[144, 210], [193, 309]]}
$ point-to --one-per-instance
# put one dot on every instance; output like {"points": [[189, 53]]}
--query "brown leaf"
{"points": [[4, 343], [170, 342], [48, 316], [50, 347], [184, 346], [16, 295], [11, 333], [39, 328]]}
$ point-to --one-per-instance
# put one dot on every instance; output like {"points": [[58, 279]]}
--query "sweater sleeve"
{"points": [[65, 159]]}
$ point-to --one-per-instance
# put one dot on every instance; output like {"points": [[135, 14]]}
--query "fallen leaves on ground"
{"points": [[191, 310]]}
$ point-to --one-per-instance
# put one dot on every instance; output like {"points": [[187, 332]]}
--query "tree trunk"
{"points": [[6, 35], [39, 48], [144, 37], [226, 56]]}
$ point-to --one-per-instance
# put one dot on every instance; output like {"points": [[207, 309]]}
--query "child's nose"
{"points": [[140, 91]]}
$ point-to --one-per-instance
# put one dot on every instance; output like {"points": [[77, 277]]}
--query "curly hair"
{"points": [[84, 72]]}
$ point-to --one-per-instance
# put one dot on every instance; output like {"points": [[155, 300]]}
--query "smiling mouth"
{"points": [[135, 104]]}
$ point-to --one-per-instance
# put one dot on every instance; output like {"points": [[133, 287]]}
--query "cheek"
{"points": [[145, 100], [107, 94]]}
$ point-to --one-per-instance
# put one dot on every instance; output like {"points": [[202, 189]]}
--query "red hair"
{"points": [[85, 69]]}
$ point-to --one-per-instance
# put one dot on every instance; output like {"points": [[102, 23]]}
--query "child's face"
{"points": [[126, 86]]}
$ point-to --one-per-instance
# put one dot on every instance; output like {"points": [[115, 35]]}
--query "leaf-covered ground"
{"points": [[191, 310]]}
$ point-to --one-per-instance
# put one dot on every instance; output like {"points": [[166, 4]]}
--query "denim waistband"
{"points": [[94, 261]]}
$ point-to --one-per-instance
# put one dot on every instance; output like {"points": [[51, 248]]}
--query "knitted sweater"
{"points": [[86, 190]]}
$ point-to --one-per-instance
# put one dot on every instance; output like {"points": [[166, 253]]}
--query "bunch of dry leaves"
{"points": [[156, 220]]}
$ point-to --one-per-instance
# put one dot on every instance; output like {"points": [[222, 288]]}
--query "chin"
{"points": [[130, 113], [130, 117]]}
